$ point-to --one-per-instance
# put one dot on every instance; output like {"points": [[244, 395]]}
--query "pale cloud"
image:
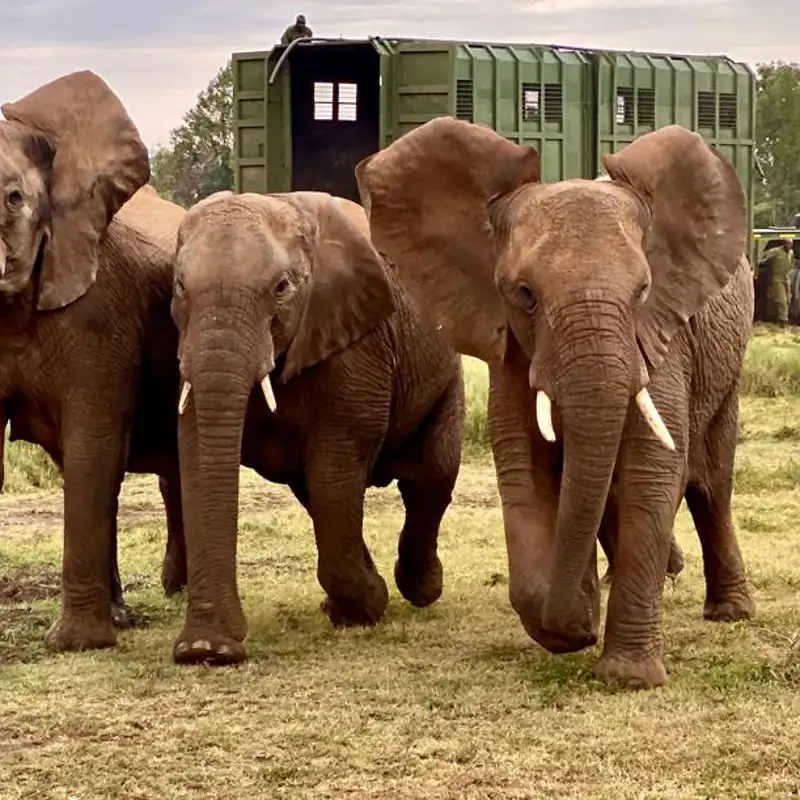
{"points": [[158, 54]]}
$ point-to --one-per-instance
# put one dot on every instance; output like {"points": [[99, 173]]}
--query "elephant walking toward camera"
{"points": [[87, 345], [285, 292], [619, 309]]}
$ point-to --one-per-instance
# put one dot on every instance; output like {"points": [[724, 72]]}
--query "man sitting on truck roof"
{"points": [[297, 31]]}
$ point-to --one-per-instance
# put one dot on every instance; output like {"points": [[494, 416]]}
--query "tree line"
{"points": [[196, 161]]}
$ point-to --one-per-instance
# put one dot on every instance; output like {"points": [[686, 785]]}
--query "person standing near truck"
{"points": [[779, 261], [297, 31]]}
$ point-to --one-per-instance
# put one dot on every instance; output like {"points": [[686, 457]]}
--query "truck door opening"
{"points": [[335, 115]]}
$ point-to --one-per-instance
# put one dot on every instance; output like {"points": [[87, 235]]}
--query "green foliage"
{"points": [[778, 141], [196, 162], [772, 363]]}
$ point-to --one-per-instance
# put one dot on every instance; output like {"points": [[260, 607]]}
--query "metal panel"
{"points": [[637, 93], [536, 96], [250, 122]]}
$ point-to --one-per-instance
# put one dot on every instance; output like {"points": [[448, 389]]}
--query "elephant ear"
{"points": [[427, 196], [99, 163], [350, 291], [697, 233]]}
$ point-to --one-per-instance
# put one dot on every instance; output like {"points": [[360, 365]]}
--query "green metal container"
{"points": [[306, 114]]}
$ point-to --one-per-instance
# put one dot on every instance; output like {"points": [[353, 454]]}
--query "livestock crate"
{"points": [[307, 113]]}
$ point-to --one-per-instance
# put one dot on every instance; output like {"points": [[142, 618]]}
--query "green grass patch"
{"points": [[444, 702]]}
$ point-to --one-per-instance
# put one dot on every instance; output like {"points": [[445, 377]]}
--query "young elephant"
{"points": [[87, 346], [602, 300], [289, 287]]}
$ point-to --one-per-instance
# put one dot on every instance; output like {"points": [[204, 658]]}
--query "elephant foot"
{"points": [[631, 674], [120, 616], [173, 576], [197, 646], [73, 632], [420, 585], [346, 611], [731, 609]]}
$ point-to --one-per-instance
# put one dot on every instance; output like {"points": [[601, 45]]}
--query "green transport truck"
{"points": [[306, 113]]}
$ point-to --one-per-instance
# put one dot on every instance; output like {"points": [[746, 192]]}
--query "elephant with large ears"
{"points": [[88, 365], [614, 315], [302, 357]]}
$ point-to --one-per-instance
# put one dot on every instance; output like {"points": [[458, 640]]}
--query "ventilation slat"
{"points": [[706, 110], [465, 106], [553, 102], [646, 107], [728, 112]]}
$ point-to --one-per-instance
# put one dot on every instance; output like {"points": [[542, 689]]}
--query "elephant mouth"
{"points": [[266, 388], [645, 404]]}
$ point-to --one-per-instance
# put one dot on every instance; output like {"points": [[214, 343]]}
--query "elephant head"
{"points": [[590, 279], [70, 157], [291, 275]]}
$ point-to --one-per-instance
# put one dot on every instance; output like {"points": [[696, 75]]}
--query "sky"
{"points": [[158, 54]]}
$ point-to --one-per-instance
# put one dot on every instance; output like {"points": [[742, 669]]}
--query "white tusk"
{"points": [[544, 416], [187, 387], [269, 395], [653, 418]]}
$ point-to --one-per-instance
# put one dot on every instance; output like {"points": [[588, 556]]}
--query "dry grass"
{"points": [[453, 701]]}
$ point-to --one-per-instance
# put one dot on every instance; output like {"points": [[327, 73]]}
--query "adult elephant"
{"points": [[87, 345], [287, 293], [603, 300]]}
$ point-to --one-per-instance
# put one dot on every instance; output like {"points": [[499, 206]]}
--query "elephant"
{"points": [[88, 366], [614, 316], [302, 358]]}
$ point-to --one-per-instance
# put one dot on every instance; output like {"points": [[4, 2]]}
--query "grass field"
{"points": [[450, 702]]}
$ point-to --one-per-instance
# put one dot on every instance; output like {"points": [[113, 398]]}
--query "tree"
{"points": [[778, 139], [196, 162]]}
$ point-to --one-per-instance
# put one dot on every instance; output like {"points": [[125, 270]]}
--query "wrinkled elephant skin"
{"points": [[614, 316], [302, 358], [87, 344]]}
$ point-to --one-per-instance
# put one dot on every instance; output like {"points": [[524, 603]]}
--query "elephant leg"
{"points": [[607, 536], [119, 611], [709, 502], [356, 593], [173, 570], [648, 493], [300, 491], [94, 452], [426, 478]]}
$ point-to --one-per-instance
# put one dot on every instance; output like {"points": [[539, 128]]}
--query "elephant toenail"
{"points": [[201, 644], [225, 650], [181, 648]]}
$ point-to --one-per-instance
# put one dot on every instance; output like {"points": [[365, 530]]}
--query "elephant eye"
{"points": [[524, 296], [14, 200], [642, 293], [178, 288], [283, 287]]}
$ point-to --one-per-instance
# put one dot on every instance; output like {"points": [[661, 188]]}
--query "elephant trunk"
{"points": [[222, 368], [595, 370]]}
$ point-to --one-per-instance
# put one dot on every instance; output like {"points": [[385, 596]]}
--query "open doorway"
{"points": [[335, 114]]}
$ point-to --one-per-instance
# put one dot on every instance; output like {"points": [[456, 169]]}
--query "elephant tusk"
{"points": [[653, 418], [187, 387], [269, 395], [544, 416]]}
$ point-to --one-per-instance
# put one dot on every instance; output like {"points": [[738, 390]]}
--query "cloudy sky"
{"points": [[158, 54]]}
